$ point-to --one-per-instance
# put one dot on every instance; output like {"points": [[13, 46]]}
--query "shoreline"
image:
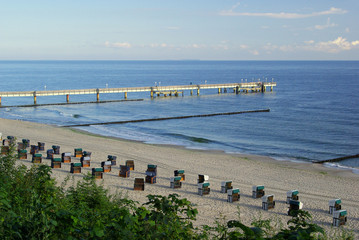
{"points": [[316, 183], [326, 166]]}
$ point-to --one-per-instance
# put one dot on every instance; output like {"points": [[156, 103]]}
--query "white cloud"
{"points": [[118, 44], [327, 25], [335, 46], [282, 15]]}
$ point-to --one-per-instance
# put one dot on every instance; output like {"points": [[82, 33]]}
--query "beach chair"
{"points": [[56, 149], [11, 140], [5, 150], [78, 152], [203, 188], [86, 154], [112, 159], [97, 173], [34, 149], [41, 146], [106, 165], [130, 164], [202, 178], [180, 173], [56, 163], [26, 142], [225, 186], [292, 195], [6, 142], [139, 184], [49, 154], [75, 168], [294, 206], [233, 195], [124, 171], [258, 191], [335, 205], [66, 157], [151, 174], [22, 154], [339, 218], [268, 202], [36, 158], [21, 146], [85, 161], [175, 182]]}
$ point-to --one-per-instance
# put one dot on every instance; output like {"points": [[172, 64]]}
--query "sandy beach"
{"points": [[316, 184]]}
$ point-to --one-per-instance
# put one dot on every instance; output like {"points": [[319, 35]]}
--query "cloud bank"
{"points": [[281, 15]]}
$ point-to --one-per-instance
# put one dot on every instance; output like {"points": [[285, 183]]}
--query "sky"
{"points": [[179, 30]]}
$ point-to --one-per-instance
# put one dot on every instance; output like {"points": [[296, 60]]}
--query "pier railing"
{"points": [[154, 90]]}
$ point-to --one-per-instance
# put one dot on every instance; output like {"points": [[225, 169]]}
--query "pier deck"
{"points": [[157, 90]]}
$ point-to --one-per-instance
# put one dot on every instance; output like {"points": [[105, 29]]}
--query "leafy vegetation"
{"points": [[34, 207]]}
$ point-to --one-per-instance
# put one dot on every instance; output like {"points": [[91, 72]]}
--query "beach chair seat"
{"points": [[41, 146], [36, 158], [203, 188], [78, 152], [34, 149], [175, 182], [151, 179], [225, 186], [49, 154], [233, 195], [26, 142], [124, 171], [130, 164], [56, 149], [292, 195], [21, 146], [56, 163], [112, 159], [202, 178], [5, 150], [106, 165], [258, 191], [335, 205], [97, 173], [75, 168], [294, 206], [139, 184], [66, 157], [85, 161], [268, 202], [339, 218], [180, 173], [22, 154]]}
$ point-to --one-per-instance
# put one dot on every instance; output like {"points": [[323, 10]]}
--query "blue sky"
{"points": [[168, 29]]}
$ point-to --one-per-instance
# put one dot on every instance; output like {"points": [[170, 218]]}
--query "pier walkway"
{"points": [[157, 90]]}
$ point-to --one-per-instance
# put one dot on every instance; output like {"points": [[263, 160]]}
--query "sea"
{"points": [[314, 109]]}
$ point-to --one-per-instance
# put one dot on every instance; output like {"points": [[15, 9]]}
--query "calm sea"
{"points": [[314, 108]]}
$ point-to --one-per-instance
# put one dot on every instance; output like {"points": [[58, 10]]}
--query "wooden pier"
{"points": [[157, 90]]}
